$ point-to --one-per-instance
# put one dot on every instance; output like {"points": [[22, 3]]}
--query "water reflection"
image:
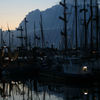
{"points": [[35, 90]]}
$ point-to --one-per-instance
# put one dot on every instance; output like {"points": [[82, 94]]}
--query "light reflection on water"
{"points": [[33, 90]]}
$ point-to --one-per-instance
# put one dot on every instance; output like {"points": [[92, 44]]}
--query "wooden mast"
{"points": [[65, 24], [1, 38], [97, 26], [26, 38], [76, 23], [85, 25], [21, 37], [34, 36], [42, 33], [91, 10], [9, 32], [12, 39]]}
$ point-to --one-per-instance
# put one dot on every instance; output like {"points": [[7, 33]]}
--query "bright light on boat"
{"points": [[85, 93], [85, 68]]}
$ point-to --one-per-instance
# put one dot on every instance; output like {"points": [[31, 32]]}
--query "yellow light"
{"points": [[85, 68]]}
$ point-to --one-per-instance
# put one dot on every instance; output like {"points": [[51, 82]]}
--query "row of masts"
{"points": [[22, 38], [85, 23], [35, 36], [64, 33]]}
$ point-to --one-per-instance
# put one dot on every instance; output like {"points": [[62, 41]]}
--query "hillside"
{"points": [[52, 25]]}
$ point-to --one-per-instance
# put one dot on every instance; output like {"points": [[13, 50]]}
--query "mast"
{"points": [[25, 20], [34, 36], [42, 33], [12, 39], [65, 24], [91, 10], [85, 27], [1, 38], [76, 23], [29, 43], [21, 37], [9, 32], [97, 26]]}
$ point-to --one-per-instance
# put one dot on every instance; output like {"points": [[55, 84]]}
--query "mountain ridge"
{"points": [[52, 25]]}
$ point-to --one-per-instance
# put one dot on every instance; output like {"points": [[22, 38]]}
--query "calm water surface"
{"points": [[35, 90]]}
